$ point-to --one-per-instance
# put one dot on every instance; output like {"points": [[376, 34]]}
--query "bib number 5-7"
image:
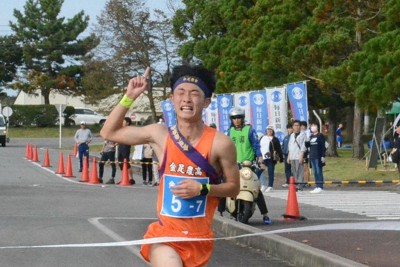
{"points": [[177, 207]]}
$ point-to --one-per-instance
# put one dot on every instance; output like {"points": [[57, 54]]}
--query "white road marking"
{"points": [[133, 249], [381, 205]]}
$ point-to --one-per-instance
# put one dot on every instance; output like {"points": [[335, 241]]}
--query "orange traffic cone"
{"points": [[69, 173], [60, 169], [46, 162], [94, 178], [85, 171], [35, 157], [75, 150], [125, 174], [27, 151], [292, 206]]}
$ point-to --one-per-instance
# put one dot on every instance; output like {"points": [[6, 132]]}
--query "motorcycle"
{"points": [[243, 206]]}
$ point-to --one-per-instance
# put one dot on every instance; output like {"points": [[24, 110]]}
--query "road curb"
{"points": [[286, 249]]}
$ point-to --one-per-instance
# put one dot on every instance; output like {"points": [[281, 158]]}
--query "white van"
{"points": [[3, 130]]}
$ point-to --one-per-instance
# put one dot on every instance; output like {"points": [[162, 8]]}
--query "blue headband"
{"points": [[193, 80]]}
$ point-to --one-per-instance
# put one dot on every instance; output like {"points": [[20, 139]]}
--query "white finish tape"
{"points": [[388, 226]]}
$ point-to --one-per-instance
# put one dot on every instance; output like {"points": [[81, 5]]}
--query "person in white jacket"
{"points": [[297, 148], [272, 153]]}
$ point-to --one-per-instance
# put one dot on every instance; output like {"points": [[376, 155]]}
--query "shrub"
{"points": [[36, 115]]}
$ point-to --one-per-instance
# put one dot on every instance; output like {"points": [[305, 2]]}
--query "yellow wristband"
{"points": [[126, 102], [208, 187]]}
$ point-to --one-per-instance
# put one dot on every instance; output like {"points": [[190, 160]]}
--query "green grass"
{"points": [[52, 132], [345, 167], [35, 132], [339, 168]]}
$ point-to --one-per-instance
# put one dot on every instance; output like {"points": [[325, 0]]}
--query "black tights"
{"points": [[147, 167]]}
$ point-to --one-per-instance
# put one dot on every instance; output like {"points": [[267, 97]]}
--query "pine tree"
{"points": [[10, 58], [51, 48]]}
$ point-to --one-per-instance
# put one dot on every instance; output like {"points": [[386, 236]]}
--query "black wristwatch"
{"points": [[204, 190]]}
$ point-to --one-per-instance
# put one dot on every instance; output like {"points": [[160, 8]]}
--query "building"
{"points": [[139, 113], [36, 98]]}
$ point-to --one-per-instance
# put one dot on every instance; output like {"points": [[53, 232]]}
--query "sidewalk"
{"points": [[284, 248], [317, 242]]}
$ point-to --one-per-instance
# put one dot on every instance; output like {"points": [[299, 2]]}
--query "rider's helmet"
{"points": [[236, 113]]}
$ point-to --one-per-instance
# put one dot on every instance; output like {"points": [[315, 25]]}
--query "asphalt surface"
{"points": [[39, 207], [356, 223]]}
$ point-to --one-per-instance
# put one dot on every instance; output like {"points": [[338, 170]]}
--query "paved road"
{"points": [[360, 225], [39, 207]]}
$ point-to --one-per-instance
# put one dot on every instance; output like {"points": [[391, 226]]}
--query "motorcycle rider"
{"points": [[247, 148]]}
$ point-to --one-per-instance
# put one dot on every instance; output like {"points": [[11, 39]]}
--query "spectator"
{"points": [[156, 175], [147, 164], [272, 153], [395, 153], [124, 151], [107, 154], [285, 152], [307, 132], [83, 137], [339, 135], [297, 148], [317, 157]]}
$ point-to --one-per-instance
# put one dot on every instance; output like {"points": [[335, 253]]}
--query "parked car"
{"points": [[87, 115], [3, 131]]}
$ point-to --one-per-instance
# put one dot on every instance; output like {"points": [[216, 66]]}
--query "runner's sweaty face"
{"points": [[189, 101]]}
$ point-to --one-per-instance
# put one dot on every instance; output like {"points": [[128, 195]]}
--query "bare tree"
{"points": [[131, 40]]}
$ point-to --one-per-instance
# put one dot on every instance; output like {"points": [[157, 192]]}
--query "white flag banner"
{"points": [[242, 100], [259, 111], [210, 114], [297, 93], [168, 112], [225, 103], [277, 110]]}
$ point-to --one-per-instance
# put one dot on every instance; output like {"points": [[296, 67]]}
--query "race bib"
{"points": [[173, 206]]}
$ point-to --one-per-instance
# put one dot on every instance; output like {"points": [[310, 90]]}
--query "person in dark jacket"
{"points": [[107, 154], [317, 157], [124, 152], [396, 148], [285, 152]]}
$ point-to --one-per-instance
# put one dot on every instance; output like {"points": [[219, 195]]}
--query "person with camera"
{"points": [[272, 153]]}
